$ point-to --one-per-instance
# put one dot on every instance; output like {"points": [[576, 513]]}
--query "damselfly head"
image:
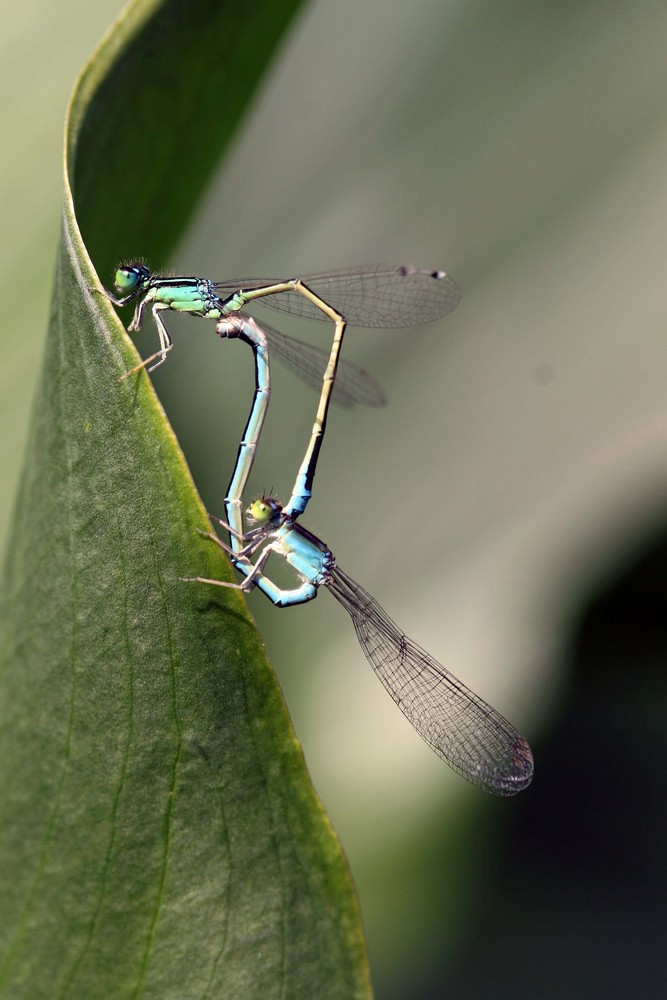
{"points": [[263, 510], [130, 277]]}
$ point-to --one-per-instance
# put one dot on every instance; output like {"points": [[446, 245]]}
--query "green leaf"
{"points": [[159, 835]]}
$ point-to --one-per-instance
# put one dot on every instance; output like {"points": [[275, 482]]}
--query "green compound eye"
{"points": [[263, 510], [130, 276]]}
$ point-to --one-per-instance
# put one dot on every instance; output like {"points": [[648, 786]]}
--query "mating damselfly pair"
{"points": [[474, 739]]}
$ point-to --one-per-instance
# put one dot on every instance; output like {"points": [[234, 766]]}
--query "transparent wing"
{"points": [[352, 385], [474, 739], [381, 296]]}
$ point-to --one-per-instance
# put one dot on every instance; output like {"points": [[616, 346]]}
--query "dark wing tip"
{"points": [[515, 777]]}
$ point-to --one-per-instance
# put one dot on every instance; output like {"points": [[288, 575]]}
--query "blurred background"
{"points": [[508, 507]]}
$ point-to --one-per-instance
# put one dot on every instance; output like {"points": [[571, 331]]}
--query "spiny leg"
{"points": [[250, 578], [166, 342], [253, 543]]}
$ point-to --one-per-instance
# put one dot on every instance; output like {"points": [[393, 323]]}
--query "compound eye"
{"points": [[130, 276], [264, 509], [126, 279]]}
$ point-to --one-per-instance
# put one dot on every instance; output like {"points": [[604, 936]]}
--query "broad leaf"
{"points": [[159, 836]]}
